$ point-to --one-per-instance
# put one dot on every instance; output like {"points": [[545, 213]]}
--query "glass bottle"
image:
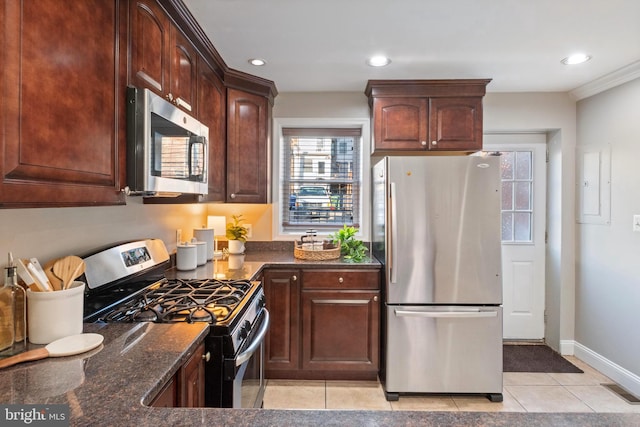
{"points": [[7, 314], [19, 311]]}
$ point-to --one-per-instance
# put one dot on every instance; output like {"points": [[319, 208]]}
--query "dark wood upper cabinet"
{"points": [[149, 46], [62, 118], [248, 119], [183, 74], [212, 108], [426, 115], [162, 58]]}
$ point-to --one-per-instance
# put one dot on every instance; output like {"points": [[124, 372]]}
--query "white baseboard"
{"points": [[567, 348], [626, 379]]}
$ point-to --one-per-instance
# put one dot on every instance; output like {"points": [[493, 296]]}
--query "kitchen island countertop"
{"points": [[113, 384]]}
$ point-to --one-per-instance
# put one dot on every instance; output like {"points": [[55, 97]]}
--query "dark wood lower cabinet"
{"points": [[167, 397], [186, 388], [324, 323], [282, 344], [340, 331]]}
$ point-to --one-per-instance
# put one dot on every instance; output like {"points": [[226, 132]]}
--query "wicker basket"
{"points": [[331, 252]]}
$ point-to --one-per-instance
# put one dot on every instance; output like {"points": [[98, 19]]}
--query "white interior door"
{"points": [[523, 166]]}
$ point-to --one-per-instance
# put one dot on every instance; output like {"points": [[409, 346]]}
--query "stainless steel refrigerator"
{"points": [[436, 230]]}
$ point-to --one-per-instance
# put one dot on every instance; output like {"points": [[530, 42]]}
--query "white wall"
{"points": [[55, 232], [554, 114], [608, 255]]}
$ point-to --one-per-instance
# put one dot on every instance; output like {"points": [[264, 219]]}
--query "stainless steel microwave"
{"points": [[167, 149]]}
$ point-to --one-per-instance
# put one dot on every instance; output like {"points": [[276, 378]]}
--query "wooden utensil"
{"points": [[67, 346], [55, 281], [68, 269]]}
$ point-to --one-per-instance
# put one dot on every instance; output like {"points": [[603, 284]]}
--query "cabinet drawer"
{"points": [[341, 279]]}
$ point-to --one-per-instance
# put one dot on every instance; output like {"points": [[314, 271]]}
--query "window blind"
{"points": [[321, 178]]}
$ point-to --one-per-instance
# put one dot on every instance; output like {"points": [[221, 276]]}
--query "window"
{"points": [[517, 201], [320, 178]]}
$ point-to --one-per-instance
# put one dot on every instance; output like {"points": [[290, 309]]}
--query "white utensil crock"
{"points": [[56, 314]]}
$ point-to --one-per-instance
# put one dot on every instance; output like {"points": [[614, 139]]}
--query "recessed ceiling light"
{"points": [[257, 62], [578, 58], [378, 61]]}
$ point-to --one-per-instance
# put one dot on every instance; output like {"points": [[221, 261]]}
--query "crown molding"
{"points": [[608, 81]]}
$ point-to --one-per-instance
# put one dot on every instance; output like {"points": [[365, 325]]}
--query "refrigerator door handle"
{"points": [[394, 233], [444, 314]]}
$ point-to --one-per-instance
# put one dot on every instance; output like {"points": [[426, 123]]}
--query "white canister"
{"points": [[187, 257], [205, 235], [201, 252], [56, 314]]}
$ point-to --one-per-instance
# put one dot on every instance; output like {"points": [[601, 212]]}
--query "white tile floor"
{"points": [[522, 392]]}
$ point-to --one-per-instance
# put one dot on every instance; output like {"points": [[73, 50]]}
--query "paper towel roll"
{"points": [[205, 235], [187, 257]]}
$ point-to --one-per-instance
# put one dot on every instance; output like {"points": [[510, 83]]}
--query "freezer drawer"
{"points": [[443, 349]]}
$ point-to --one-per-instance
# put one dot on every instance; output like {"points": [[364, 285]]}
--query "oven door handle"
{"points": [[246, 355]]}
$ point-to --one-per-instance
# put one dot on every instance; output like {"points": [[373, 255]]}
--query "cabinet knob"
{"points": [[375, 298], [434, 142], [169, 97], [206, 357], [340, 280], [424, 143], [232, 195], [294, 278]]}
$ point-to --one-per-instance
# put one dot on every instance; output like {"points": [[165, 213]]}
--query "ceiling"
{"points": [[322, 45]]}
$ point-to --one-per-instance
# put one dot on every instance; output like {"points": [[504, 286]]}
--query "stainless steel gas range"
{"points": [[127, 283]]}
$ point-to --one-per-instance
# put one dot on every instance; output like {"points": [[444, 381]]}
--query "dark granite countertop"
{"points": [[112, 385]]}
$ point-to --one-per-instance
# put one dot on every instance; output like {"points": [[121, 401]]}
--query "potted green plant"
{"points": [[237, 235], [352, 249]]}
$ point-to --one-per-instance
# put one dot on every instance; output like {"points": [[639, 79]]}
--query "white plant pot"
{"points": [[236, 247]]}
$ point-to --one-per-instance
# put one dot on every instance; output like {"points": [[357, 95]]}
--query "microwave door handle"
{"points": [[257, 340], [195, 141]]}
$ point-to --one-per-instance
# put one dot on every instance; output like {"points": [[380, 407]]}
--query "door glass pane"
{"points": [[522, 227], [523, 195], [523, 165], [517, 198], [507, 195], [506, 164], [507, 226]]}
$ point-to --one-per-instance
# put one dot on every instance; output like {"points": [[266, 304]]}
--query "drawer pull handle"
{"points": [[340, 280], [294, 278], [206, 357]]}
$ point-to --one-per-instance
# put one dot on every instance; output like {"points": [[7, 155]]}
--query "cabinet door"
{"points": [[167, 398], [400, 123], [211, 110], [182, 72], [340, 331], [63, 99], [282, 294], [192, 380], [247, 147], [455, 124], [149, 46]]}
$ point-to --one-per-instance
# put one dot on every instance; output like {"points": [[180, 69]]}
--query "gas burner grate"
{"points": [[193, 300]]}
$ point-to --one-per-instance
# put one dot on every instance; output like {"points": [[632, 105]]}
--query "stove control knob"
{"points": [[245, 329], [262, 302]]}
